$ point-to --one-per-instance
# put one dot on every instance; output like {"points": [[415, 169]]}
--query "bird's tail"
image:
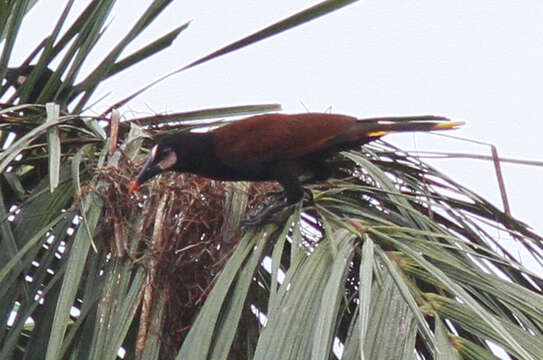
{"points": [[378, 127]]}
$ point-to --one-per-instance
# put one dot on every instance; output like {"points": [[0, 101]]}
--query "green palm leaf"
{"points": [[392, 260]]}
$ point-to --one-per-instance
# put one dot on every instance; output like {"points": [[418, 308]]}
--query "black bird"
{"points": [[17, 77], [278, 147]]}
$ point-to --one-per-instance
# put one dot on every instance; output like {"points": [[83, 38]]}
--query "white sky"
{"points": [[475, 61]]}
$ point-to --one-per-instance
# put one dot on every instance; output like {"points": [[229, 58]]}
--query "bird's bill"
{"points": [[133, 186], [145, 174], [149, 170], [153, 167]]}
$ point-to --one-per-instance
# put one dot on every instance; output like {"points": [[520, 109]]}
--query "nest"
{"points": [[182, 228]]}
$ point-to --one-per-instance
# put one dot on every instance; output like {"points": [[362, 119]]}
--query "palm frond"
{"points": [[393, 259]]}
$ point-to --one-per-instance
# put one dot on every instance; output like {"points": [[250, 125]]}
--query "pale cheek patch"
{"points": [[21, 79], [169, 161]]}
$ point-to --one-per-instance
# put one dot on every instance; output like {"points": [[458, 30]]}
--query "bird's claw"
{"points": [[275, 214], [281, 193], [272, 212]]}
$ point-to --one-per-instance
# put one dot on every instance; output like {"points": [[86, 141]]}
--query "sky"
{"points": [[473, 61]]}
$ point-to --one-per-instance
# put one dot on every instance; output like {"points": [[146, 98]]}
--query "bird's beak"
{"points": [[133, 186], [149, 170], [152, 168]]}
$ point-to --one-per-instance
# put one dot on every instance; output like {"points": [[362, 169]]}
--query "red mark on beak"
{"points": [[133, 187]]}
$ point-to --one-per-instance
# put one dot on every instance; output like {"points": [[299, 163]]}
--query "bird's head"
{"points": [[162, 157], [16, 77]]}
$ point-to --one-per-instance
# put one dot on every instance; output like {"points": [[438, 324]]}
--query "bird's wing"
{"points": [[275, 137]]}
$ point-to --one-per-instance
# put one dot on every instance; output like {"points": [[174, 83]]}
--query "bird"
{"points": [[291, 149], [18, 76]]}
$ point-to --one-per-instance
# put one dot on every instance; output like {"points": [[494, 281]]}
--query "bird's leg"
{"points": [[294, 193], [308, 194], [320, 169], [271, 210], [267, 213], [275, 193]]}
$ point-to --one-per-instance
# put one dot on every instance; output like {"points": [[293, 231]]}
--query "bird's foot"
{"points": [[275, 212], [279, 194], [308, 196]]}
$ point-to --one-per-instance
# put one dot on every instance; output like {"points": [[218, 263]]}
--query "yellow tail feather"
{"points": [[437, 126], [447, 125]]}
